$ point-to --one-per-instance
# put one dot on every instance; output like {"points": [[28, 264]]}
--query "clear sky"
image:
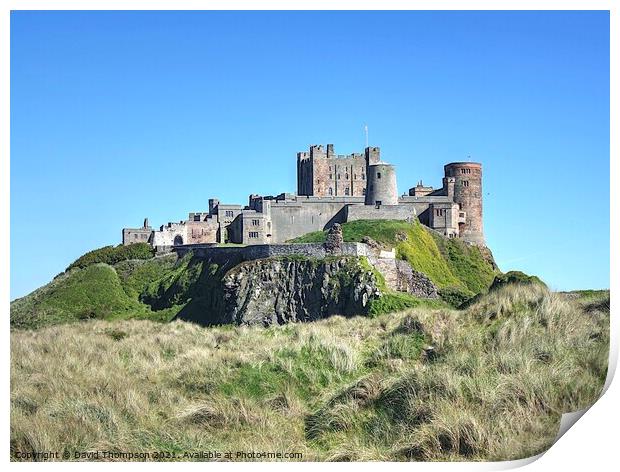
{"points": [[116, 116]]}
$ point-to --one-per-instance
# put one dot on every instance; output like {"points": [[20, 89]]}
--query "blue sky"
{"points": [[116, 116]]}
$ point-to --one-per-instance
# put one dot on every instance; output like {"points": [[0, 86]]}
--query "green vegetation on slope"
{"points": [[97, 291], [92, 292], [458, 269], [113, 254], [493, 387]]}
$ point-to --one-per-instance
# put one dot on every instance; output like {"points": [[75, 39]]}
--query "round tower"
{"points": [[468, 194], [381, 184]]}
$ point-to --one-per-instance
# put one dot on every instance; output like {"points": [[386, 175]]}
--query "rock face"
{"points": [[399, 276], [272, 291]]}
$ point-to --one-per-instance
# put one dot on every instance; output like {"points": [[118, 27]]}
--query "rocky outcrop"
{"points": [[400, 277], [278, 291]]}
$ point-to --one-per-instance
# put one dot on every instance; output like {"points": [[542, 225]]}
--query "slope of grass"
{"points": [[493, 386], [450, 263], [97, 291], [113, 254], [92, 292]]}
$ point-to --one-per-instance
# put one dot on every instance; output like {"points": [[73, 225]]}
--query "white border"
{"points": [[591, 445]]}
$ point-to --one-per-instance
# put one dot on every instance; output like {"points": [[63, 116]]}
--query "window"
{"points": [[354, 176], [330, 176], [135, 236], [363, 191], [255, 222], [331, 191], [378, 203], [229, 213], [338, 176], [465, 183], [346, 176], [378, 175], [363, 176], [346, 190], [253, 234], [196, 217], [440, 212]]}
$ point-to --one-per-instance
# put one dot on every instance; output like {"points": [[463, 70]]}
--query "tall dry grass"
{"points": [[493, 387]]}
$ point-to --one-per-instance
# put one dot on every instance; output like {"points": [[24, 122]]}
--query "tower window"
{"points": [[346, 191], [346, 176], [363, 177], [255, 222], [253, 234], [331, 191], [338, 176], [465, 183], [378, 175]]}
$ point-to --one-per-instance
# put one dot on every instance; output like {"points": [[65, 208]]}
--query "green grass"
{"points": [[363, 388], [113, 254], [92, 292], [451, 264]]}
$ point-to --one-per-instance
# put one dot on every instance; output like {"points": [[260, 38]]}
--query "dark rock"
{"points": [[272, 291], [371, 242], [414, 282]]}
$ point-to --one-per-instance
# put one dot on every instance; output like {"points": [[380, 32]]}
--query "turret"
{"points": [[468, 194], [213, 203], [381, 185], [373, 155]]}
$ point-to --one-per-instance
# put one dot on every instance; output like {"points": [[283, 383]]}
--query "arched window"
{"points": [[178, 240], [346, 190], [331, 191]]}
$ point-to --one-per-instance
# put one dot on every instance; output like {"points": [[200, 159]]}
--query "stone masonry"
{"points": [[332, 189]]}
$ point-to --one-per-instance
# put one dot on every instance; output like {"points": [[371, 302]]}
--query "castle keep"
{"points": [[332, 189]]}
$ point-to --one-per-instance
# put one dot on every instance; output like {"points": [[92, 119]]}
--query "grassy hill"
{"points": [[126, 282], [459, 269], [493, 386], [97, 290]]}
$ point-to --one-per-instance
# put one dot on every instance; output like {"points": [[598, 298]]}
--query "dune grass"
{"points": [[486, 383]]}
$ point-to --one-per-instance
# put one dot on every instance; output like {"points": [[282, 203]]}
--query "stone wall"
{"points": [[263, 251], [384, 212], [172, 234], [136, 235], [322, 172]]}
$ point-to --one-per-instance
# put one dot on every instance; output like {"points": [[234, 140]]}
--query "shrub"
{"points": [[515, 277], [455, 296], [112, 255]]}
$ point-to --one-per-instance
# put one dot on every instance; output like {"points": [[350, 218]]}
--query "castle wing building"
{"points": [[332, 189]]}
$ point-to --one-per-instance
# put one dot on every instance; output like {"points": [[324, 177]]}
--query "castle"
{"points": [[332, 189]]}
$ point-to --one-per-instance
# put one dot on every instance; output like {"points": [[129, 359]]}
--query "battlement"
{"points": [[332, 188]]}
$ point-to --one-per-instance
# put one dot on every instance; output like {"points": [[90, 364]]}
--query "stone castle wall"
{"points": [[220, 255]]}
